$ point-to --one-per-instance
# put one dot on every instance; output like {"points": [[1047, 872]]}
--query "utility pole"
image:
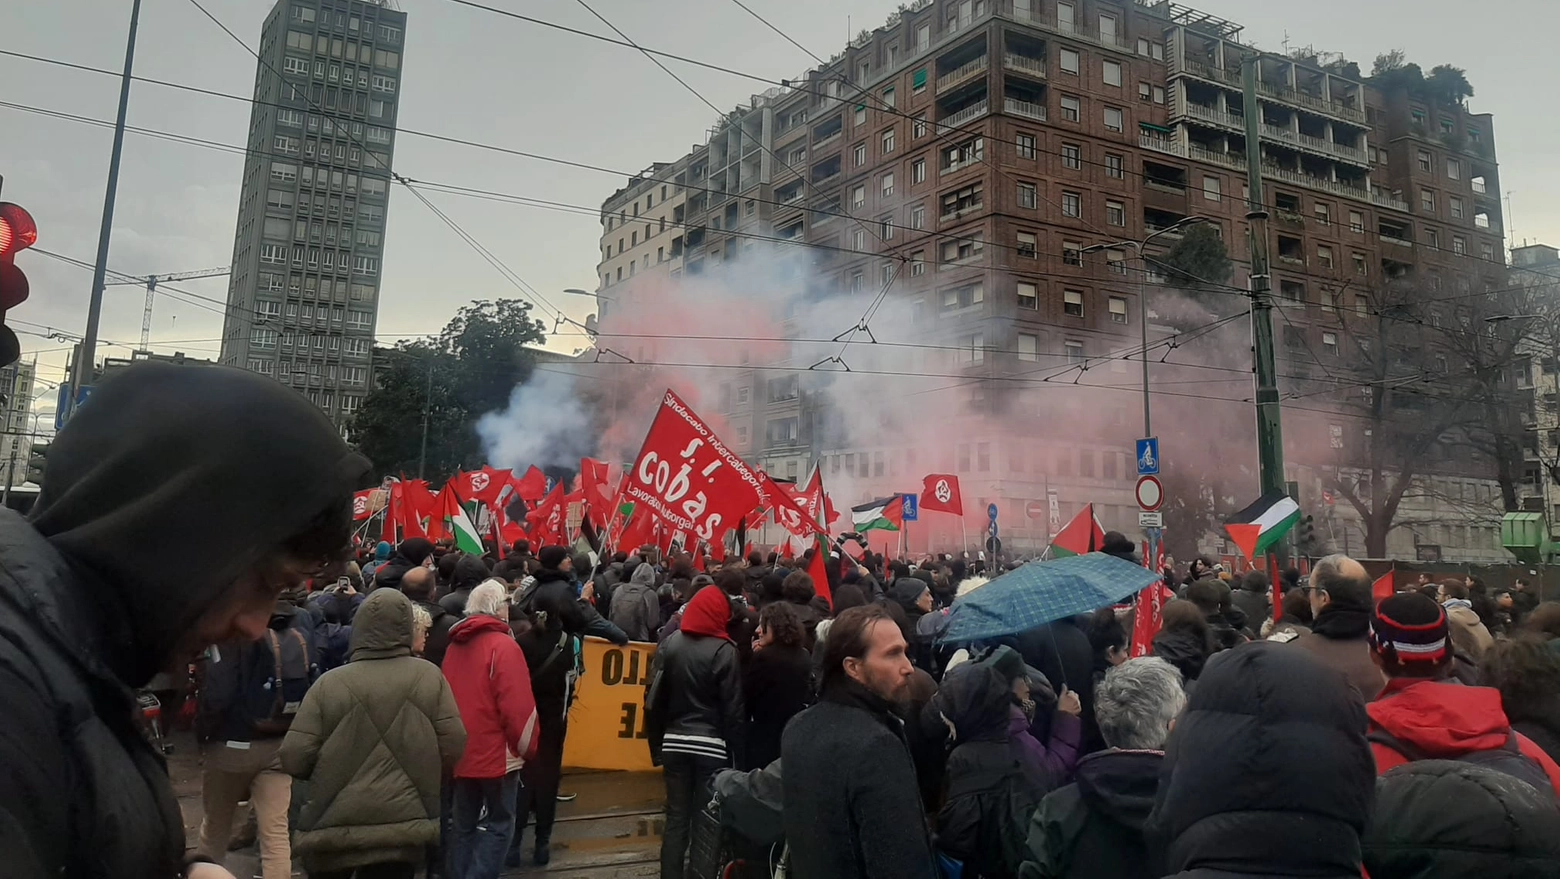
{"points": [[1270, 434], [422, 458], [88, 352]]}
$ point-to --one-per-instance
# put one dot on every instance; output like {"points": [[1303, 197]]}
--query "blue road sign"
{"points": [[991, 512], [61, 411], [912, 507], [1148, 456]]}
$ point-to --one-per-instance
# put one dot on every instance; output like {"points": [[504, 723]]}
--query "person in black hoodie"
{"points": [[798, 590], [248, 487], [915, 600], [517, 565], [1267, 773], [468, 574], [413, 552], [1183, 639], [1094, 827], [552, 654], [777, 682]]}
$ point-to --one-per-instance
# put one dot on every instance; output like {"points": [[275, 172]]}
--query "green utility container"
{"points": [[1526, 536]]}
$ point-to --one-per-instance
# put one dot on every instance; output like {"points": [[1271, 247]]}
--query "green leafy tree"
{"points": [[1199, 261], [1448, 85], [468, 370]]}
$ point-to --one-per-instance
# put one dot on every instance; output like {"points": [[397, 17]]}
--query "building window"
{"points": [[284, 172], [1070, 61], [1453, 169], [858, 240], [1459, 245], [1427, 200], [1145, 92], [971, 349], [1074, 351], [1070, 108], [1114, 120], [1072, 253], [367, 265], [1424, 160], [858, 197], [861, 114], [1118, 310], [1072, 303], [886, 228], [917, 263], [1028, 296], [260, 337], [1072, 204], [1361, 267], [1455, 205], [859, 152], [1323, 214], [888, 184], [918, 126], [1356, 222], [1114, 166], [1211, 188], [382, 83], [274, 254], [1028, 347], [1026, 146], [1112, 73], [967, 198], [1072, 156], [1330, 342], [888, 141], [918, 171], [963, 249], [963, 297], [1027, 195], [1115, 213], [1027, 245], [918, 216]]}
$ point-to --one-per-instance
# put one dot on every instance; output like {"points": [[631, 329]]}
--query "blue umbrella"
{"points": [[1042, 592]]}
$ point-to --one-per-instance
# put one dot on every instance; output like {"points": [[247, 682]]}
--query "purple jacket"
{"points": [[1048, 765]]}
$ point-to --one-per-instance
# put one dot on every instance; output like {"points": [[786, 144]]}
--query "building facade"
{"points": [[16, 424], [969, 154], [303, 299]]}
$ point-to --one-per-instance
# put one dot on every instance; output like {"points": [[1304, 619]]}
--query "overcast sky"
{"points": [[477, 76]]}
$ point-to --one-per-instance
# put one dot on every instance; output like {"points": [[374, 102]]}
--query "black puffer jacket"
{"points": [[1267, 773], [989, 798], [159, 497], [1186, 649], [1445, 818], [695, 688]]}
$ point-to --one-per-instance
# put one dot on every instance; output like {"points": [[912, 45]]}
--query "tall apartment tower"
{"points": [[16, 439], [304, 294]]}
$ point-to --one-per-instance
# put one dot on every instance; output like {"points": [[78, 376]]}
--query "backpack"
{"points": [[1002, 801], [1507, 759], [254, 690]]}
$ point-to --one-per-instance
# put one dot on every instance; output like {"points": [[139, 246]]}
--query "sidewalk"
{"points": [[612, 830]]}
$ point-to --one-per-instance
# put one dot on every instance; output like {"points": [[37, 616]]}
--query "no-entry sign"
{"points": [[1150, 494]]}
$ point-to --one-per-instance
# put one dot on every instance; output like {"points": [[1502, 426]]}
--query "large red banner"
{"points": [[686, 478]]}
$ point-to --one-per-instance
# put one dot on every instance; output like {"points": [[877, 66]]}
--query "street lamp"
{"points": [[1139, 246]]}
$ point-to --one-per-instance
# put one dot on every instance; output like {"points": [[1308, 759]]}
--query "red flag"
{"points": [[482, 486], [940, 494], [447, 502], [362, 505], [392, 503], [547, 521], [1148, 617], [1383, 588], [1082, 535], [402, 509], [686, 478], [820, 573], [420, 502], [532, 486], [788, 514]]}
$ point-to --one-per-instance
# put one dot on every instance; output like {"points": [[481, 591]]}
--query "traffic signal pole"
{"points": [[88, 351], [1270, 435]]}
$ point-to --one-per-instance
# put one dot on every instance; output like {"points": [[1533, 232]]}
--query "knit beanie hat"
{"points": [[1409, 631], [552, 557]]}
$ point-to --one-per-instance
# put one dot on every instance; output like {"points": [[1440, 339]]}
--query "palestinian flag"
{"points": [[1082, 535], [883, 514], [465, 533], [1258, 527]]}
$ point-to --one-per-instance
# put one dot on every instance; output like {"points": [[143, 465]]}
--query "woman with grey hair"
{"points": [[1094, 827]]}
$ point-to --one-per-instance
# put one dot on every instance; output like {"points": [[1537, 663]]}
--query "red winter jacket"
{"points": [[1446, 720], [487, 671]]}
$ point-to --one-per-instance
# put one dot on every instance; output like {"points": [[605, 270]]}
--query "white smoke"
{"points": [[546, 425]]}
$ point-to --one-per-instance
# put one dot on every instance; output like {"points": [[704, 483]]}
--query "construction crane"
{"points": [[151, 282]]}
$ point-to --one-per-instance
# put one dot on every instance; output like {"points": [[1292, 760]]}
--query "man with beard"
{"points": [[852, 806], [177, 506]]}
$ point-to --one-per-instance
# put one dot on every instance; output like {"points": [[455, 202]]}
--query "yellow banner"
{"points": [[607, 722]]}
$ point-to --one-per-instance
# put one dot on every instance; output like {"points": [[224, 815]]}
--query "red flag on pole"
{"points": [[482, 486], [362, 505], [531, 487], [1383, 588], [820, 573], [940, 494], [1148, 617]]}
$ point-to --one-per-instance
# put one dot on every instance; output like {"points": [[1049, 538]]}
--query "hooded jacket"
{"points": [[1186, 649], [1267, 773], [1469, 635], [1445, 720], [693, 703], [492, 685], [373, 739], [635, 607], [1094, 827], [161, 494], [1442, 818], [469, 572], [412, 552]]}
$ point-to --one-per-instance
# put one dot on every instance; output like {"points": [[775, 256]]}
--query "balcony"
{"points": [[1206, 71], [826, 140], [962, 74], [1215, 157], [1161, 145], [968, 114], [1034, 68], [1386, 200], [1016, 107], [1313, 182], [1214, 117], [1287, 95], [1393, 239]]}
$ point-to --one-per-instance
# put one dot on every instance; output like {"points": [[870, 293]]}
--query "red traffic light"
{"points": [[17, 229]]}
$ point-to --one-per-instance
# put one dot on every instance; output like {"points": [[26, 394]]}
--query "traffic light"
{"points": [[36, 463], [1305, 535], [17, 232]]}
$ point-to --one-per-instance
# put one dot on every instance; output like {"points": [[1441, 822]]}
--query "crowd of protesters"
{"points": [[408, 710]]}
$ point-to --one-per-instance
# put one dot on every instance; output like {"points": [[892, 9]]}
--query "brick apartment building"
{"points": [[968, 151]]}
